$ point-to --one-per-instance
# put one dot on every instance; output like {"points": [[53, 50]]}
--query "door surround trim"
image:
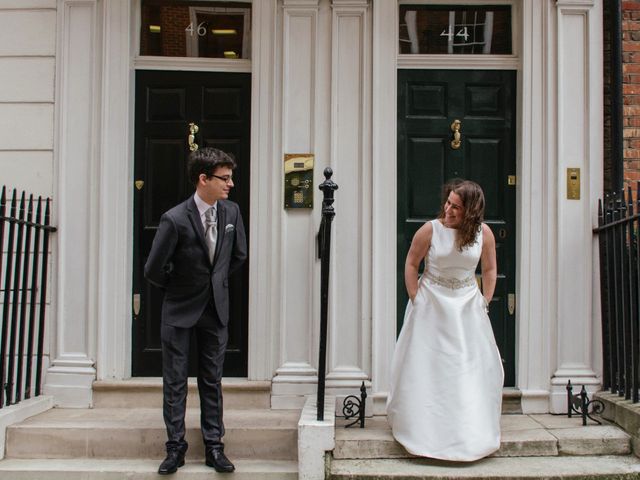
{"points": [[113, 335], [538, 194]]}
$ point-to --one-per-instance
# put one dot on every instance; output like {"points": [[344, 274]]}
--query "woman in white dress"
{"points": [[445, 398]]}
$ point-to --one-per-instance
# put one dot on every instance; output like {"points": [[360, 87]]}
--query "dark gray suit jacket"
{"points": [[179, 262]]}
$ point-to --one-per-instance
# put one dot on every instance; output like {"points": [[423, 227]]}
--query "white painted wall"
{"points": [[27, 66], [27, 70]]}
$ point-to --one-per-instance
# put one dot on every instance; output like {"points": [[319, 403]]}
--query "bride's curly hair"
{"points": [[472, 198]]}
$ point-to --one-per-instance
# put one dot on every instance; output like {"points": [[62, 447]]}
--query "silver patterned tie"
{"points": [[211, 231]]}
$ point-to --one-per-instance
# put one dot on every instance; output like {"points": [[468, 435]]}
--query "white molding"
{"points": [[536, 276], [288, 4], [350, 143], [265, 208], [460, 62], [76, 142], [384, 192], [301, 112], [193, 64], [115, 191]]}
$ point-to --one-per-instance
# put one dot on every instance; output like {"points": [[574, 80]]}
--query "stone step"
{"points": [[100, 469], [515, 468], [140, 433], [522, 436], [146, 392]]}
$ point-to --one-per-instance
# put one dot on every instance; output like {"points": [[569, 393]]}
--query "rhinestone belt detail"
{"points": [[452, 283]]}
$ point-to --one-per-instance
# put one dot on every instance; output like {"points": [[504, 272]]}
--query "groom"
{"points": [[199, 243]]}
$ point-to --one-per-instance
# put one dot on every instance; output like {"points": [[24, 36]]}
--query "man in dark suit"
{"points": [[197, 245]]}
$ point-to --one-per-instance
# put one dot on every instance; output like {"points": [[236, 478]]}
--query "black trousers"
{"points": [[211, 339]]}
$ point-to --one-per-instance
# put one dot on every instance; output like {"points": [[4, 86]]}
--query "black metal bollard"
{"points": [[327, 187]]}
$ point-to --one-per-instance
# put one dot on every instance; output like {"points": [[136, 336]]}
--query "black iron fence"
{"points": [[24, 252], [618, 230]]}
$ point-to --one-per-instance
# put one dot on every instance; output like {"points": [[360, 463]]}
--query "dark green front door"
{"points": [[429, 101], [166, 102]]}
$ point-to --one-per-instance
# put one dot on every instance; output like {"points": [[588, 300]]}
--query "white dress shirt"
{"points": [[203, 207]]}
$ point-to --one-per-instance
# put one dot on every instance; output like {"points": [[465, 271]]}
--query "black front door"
{"points": [[429, 102], [166, 103]]}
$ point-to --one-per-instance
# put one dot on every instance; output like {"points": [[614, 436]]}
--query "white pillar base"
{"points": [[70, 387], [534, 401]]}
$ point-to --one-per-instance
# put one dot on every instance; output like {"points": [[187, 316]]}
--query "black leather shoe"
{"points": [[216, 458], [174, 460]]}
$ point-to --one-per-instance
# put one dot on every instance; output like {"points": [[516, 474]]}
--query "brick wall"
{"points": [[174, 20], [630, 91]]}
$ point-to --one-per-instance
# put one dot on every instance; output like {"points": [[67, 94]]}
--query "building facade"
{"points": [[89, 110]]}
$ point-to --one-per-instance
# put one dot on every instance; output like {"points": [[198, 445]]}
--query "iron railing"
{"points": [[324, 244], [24, 253], [618, 230]]}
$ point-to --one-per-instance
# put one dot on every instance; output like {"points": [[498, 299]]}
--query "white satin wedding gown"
{"points": [[446, 376]]}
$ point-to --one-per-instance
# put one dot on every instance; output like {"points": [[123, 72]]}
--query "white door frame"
{"points": [[116, 181], [568, 27]]}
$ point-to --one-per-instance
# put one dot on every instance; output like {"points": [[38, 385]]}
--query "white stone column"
{"points": [[115, 209], [266, 197], [72, 370], [578, 83], [536, 257], [304, 128], [350, 290], [383, 197]]}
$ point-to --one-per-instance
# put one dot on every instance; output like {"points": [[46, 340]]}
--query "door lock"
{"points": [[455, 128]]}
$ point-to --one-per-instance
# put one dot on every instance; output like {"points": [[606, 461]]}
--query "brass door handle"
{"points": [[193, 129], [455, 128]]}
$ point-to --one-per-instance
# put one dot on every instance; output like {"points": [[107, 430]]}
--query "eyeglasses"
{"points": [[225, 178]]}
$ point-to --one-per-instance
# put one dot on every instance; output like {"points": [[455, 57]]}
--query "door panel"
{"points": [[219, 103], [484, 102]]}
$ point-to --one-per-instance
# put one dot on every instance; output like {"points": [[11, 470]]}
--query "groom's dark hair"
{"points": [[206, 160]]}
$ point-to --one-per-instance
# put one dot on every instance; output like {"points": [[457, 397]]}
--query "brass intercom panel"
{"points": [[298, 180], [573, 183]]}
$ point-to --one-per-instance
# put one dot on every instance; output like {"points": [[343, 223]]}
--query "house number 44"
{"points": [[463, 32]]}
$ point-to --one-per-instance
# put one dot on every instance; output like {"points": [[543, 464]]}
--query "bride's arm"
{"points": [[418, 250], [488, 263]]}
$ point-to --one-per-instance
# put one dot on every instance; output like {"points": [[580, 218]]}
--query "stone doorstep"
{"points": [[140, 433], [494, 468], [511, 401], [522, 436], [100, 469], [146, 392]]}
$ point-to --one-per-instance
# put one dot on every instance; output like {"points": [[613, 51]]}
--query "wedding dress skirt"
{"points": [[446, 377]]}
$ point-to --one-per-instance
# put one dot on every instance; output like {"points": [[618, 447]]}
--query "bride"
{"points": [[446, 376]]}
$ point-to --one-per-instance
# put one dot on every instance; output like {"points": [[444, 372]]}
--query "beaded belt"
{"points": [[452, 283]]}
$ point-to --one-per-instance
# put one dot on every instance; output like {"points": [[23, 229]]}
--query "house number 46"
{"points": [[200, 30], [463, 32]]}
